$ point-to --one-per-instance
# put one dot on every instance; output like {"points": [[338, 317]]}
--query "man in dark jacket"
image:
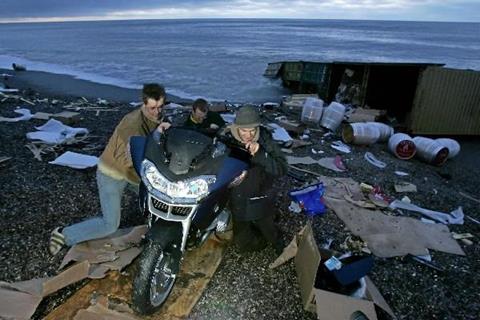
{"points": [[203, 119], [251, 202]]}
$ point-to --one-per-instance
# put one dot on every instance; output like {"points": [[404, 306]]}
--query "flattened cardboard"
{"points": [[20, 300], [306, 265], [106, 249], [17, 305], [388, 236], [334, 306]]}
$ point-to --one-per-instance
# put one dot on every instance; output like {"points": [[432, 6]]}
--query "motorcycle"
{"points": [[185, 180]]}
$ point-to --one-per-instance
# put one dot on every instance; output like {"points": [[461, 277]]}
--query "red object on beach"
{"points": [[402, 146]]}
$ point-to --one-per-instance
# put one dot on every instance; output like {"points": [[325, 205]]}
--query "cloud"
{"points": [[460, 10]]}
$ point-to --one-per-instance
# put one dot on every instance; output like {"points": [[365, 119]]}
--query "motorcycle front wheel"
{"points": [[154, 280]]}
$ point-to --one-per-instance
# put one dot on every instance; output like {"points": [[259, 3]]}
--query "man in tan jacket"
{"points": [[115, 171]]}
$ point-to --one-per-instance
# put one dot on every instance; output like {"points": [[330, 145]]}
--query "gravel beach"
{"points": [[37, 196]]}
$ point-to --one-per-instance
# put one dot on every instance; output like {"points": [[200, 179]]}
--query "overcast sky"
{"points": [[64, 10]]}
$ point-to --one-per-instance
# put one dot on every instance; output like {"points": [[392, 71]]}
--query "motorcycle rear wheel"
{"points": [[154, 280]]}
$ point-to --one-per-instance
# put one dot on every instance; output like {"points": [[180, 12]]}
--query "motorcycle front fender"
{"points": [[166, 233]]}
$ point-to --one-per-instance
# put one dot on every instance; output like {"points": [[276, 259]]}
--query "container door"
{"points": [[447, 102]]}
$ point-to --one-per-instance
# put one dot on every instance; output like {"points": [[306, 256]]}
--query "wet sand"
{"points": [[62, 85]]}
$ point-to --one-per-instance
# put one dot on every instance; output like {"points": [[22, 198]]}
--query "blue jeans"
{"points": [[110, 192]]}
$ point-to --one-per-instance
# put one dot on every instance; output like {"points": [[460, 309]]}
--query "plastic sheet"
{"points": [[310, 199]]}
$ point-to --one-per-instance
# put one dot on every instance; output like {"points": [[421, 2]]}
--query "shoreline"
{"points": [[67, 86]]}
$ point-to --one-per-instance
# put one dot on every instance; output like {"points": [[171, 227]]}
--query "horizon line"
{"points": [[103, 19]]}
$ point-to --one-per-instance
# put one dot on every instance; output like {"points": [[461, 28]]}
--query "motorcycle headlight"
{"points": [[194, 188]]}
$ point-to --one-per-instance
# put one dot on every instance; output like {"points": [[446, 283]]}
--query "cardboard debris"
{"points": [[328, 163], [42, 116], [17, 305], [388, 236], [20, 300], [66, 117], [299, 143], [198, 267], [365, 115], [292, 126], [337, 188], [105, 249], [328, 305]]}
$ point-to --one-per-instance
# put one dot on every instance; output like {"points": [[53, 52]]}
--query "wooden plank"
{"points": [[197, 269]]}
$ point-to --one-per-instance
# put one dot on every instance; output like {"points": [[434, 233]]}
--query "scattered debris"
{"points": [[327, 304], [401, 173], [463, 194], [310, 199], [4, 158], [454, 217], [405, 187], [279, 133], [38, 148], [340, 146], [374, 161], [334, 164], [364, 115], [55, 132], [394, 236], [75, 160], [26, 115]]}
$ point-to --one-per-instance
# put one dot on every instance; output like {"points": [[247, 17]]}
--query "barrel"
{"points": [[385, 130], [430, 150], [360, 133], [452, 145], [333, 116], [312, 110], [402, 146]]}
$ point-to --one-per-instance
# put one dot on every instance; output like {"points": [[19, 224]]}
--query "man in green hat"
{"points": [[251, 202]]}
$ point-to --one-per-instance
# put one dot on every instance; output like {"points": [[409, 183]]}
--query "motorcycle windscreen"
{"points": [[137, 151]]}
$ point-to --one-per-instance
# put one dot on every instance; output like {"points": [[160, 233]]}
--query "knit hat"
{"points": [[246, 117]]}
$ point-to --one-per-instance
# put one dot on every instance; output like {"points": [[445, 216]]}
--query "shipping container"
{"points": [[427, 98]]}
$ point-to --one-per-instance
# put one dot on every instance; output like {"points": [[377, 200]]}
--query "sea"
{"points": [[224, 59]]}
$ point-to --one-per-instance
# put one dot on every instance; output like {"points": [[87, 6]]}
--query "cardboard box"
{"points": [[329, 305]]}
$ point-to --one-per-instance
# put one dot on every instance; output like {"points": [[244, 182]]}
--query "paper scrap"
{"points": [[75, 160], [55, 132], [279, 133], [405, 187], [454, 217], [25, 116]]}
